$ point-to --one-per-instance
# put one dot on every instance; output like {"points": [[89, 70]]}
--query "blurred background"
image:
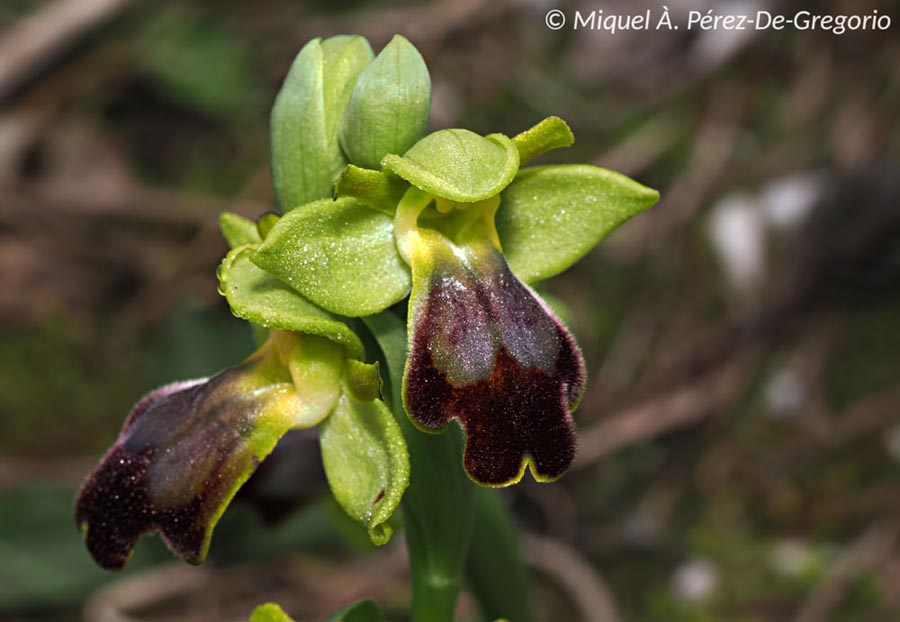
{"points": [[740, 438]]}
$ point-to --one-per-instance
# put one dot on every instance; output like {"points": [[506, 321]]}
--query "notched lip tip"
{"points": [[528, 464]]}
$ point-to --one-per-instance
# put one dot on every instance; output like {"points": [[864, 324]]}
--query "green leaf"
{"points": [[362, 611], [238, 230], [306, 154], [551, 216], [495, 569], [339, 254], [270, 612], [389, 108], [551, 133], [366, 462], [196, 61], [458, 165], [257, 296]]}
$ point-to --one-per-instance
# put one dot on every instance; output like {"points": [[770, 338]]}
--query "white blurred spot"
{"points": [[736, 230], [695, 579], [791, 557], [892, 441], [788, 201], [714, 46], [784, 394]]}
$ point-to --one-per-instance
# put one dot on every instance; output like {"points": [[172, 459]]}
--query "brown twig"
{"points": [[710, 157], [33, 43], [112, 603], [575, 574], [684, 405]]}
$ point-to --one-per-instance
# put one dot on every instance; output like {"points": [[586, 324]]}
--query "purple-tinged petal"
{"points": [[487, 351], [186, 449]]}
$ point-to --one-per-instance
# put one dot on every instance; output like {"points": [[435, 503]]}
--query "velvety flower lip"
{"points": [[183, 453], [487, 351]]}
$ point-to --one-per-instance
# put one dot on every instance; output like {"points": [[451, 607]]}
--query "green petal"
{"points": [[551, 216], [458, 165], [270, 612], [551, 133], [257, 296], [389, 108], [339, 254], [265, 223], [306, 154], [379, 190], [238, 230], [366, 462]]}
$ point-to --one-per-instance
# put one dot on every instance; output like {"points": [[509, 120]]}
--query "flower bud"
{"points": [[306, 155], [389, 108]]}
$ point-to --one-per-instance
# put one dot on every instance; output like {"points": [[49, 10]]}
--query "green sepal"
{"points": [[551, 133], [257, 296], [270, 612], [551, 216], [306, 155], [379, 190], [238, 230], [366, 462], [389, 107], [339, 254], [265, 223], [362, 380], [458, 165], [362, 611]]}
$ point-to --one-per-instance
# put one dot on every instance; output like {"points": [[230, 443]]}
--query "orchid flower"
{"points": [[457, 226], [186, 448], [449, 228]]}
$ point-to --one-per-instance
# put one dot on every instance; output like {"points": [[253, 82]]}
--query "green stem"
{"points": [[443, 511], [437, 506]]}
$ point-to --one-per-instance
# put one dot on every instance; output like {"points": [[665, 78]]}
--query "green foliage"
{"points": [[458, 165], [339, 254], [550, 216], [196, 61], [43, 558], [494, 567], [366, 462], [389, 108], [362, 611]]}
